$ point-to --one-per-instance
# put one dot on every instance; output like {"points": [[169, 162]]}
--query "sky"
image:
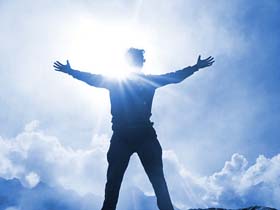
{"points": [[219, 128]]}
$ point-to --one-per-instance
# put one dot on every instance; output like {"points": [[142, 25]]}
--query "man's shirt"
{"points": [[131, 98]]}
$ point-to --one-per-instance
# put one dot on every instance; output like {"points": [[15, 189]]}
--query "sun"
{"points": [[100, 47]]}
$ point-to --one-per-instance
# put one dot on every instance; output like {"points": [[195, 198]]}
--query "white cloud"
{"points": [[31, 126], [32, 179], [12, 208], [34, 156], [236, 185]]}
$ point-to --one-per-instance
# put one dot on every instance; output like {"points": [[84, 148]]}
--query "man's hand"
{"points": [[204, 63], [63, 68]]}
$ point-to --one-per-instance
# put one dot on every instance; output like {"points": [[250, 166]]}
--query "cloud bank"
{"points": [[34, 156]]}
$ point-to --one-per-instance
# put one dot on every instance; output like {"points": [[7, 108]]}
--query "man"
{"points": [[131, 103]]}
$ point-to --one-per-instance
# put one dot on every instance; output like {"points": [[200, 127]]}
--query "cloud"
{"points": [[12, 208], [32, 179], [236, 185], [15, 197], [29, 127], [33, 156]]}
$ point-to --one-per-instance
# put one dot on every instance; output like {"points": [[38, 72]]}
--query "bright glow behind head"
{"points": [[101, 47]]}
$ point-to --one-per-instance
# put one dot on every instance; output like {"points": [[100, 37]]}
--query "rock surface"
{"points": [[249, 208]]}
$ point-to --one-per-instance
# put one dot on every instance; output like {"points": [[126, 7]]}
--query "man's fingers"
{"points": [[210, 59], [59, 66], [57, 69], [56, 66], [59, 63], [210, 63]]}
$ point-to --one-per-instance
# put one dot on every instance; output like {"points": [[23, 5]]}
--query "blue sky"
{"points": [[221, 122]]}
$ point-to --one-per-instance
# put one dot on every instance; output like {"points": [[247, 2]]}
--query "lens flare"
{"points": [[101, 47]]}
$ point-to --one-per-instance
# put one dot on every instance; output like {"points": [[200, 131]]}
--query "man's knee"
{"points": [[116, 169], [151, 154]]}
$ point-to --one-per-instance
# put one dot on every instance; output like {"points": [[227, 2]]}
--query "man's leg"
{"points": [[150, 154], [118, 157]]}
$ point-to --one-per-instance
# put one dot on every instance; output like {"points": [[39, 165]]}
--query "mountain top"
{"points": [[248, 208]]}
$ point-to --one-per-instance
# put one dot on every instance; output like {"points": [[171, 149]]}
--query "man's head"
{"points": [[135, 57]]}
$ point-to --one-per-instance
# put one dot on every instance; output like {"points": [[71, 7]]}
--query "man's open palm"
{"points": [[204, 62], [60, 67]]}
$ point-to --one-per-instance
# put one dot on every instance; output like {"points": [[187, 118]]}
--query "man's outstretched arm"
{"points": [[91, 79], [180, 75]]}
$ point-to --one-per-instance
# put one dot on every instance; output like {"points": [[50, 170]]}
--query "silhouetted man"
{"points": [[131, 103]]}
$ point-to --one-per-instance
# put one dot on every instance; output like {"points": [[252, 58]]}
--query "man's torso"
{"points": [[131, 102]]}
